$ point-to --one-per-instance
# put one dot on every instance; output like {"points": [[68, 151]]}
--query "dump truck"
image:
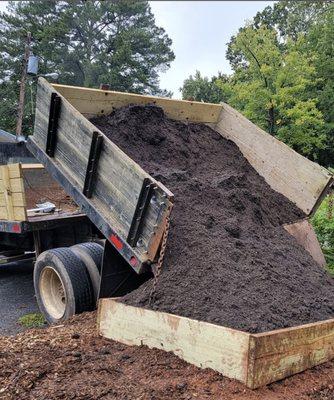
{"points": [[114, 235]]}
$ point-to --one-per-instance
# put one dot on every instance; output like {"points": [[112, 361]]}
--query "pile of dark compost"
{"points": [[228, 261]]}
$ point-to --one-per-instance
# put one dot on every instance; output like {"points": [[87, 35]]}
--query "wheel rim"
{"points": [[52, 292]]}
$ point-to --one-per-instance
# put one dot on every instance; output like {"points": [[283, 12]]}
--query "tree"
{"points": [[87, 43], [288, 18], [303, 32], [272, 88], [272, 85], [320, 43], [262, 56], [198, 88]]}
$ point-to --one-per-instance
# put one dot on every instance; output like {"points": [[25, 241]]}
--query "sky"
{"points": [[200, 31]]}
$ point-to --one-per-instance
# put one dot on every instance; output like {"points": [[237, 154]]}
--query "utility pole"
{"points": [[20, 108]]}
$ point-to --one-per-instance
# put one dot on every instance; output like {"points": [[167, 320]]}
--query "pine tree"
{"points": [[87, 43]]}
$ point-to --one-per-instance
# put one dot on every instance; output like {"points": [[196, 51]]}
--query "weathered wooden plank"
{"points": [[92, 102], [32, 166], [254, 359], [278, 354], [72, 146], [299, 179], [7, 191], [154, 241], [17, 198], [304, 233], [200, 343], [118, 180], [3, 212], [12, 198], [14, 171], [20, 213], [16, 185]]}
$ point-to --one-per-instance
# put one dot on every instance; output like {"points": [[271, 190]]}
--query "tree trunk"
{"points": [[271, 120]]}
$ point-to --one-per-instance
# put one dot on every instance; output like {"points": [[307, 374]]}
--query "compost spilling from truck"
{"points": [[228, 260]]}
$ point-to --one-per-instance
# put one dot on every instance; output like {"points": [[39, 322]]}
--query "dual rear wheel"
{"points": [[67, 280]]}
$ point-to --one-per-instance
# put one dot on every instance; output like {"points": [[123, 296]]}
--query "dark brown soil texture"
{"points": [[228, 260], [71, 362]]}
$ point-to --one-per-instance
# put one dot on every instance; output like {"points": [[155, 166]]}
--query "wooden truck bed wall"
{"points": [[124, 202]]}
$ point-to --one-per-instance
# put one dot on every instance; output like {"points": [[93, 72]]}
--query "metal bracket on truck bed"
{"points": [[139, 215], [55, 103], [94, 155]]}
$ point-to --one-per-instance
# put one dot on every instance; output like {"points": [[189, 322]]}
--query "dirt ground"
{"points": [[17, 296], [71, 362]]}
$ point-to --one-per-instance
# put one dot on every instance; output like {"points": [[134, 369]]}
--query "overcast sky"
{"points": [[200, 31]]}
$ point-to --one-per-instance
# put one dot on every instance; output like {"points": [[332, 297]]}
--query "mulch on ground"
{"points": [[71, 361]]}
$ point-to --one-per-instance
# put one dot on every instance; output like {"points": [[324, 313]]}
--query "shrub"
{"points": [[323, 224]]}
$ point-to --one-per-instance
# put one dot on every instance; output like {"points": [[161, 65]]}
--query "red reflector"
{"points": [[133, 261], [116, 242], [16, 228]]}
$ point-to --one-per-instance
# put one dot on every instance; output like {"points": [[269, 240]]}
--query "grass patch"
{"points": [[32, 320]]}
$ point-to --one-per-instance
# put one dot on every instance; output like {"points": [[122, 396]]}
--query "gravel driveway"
{"points": [[16, 295]]}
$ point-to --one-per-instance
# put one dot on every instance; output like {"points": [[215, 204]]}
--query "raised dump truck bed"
{"points": [[124, 202], [299, 179], [114, 191]]}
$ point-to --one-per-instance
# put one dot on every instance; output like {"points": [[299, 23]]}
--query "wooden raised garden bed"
{"points": [[254, 359]]}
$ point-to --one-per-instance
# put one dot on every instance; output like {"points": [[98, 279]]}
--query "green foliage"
{"points": [[323, 223], [277, 89], [254, 87], [320, 42], [32, 320], [200, 88], [283, 76], [87, 43]]}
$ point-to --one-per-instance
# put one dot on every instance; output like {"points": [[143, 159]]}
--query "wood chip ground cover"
{"points": [[71, 362]]}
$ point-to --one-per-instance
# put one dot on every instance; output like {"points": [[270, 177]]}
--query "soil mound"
{"points": [[228, 259]]}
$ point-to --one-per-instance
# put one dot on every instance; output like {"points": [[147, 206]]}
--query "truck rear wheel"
{"points": [[62, 285], [91, 255], [95, 250]]}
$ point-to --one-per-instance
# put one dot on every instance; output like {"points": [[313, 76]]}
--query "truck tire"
{"points": [[62, 285], [101, 242], [91, 255], [95, 250]]}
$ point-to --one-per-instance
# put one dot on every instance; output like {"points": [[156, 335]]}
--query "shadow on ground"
{"points": [[16, 296]]}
